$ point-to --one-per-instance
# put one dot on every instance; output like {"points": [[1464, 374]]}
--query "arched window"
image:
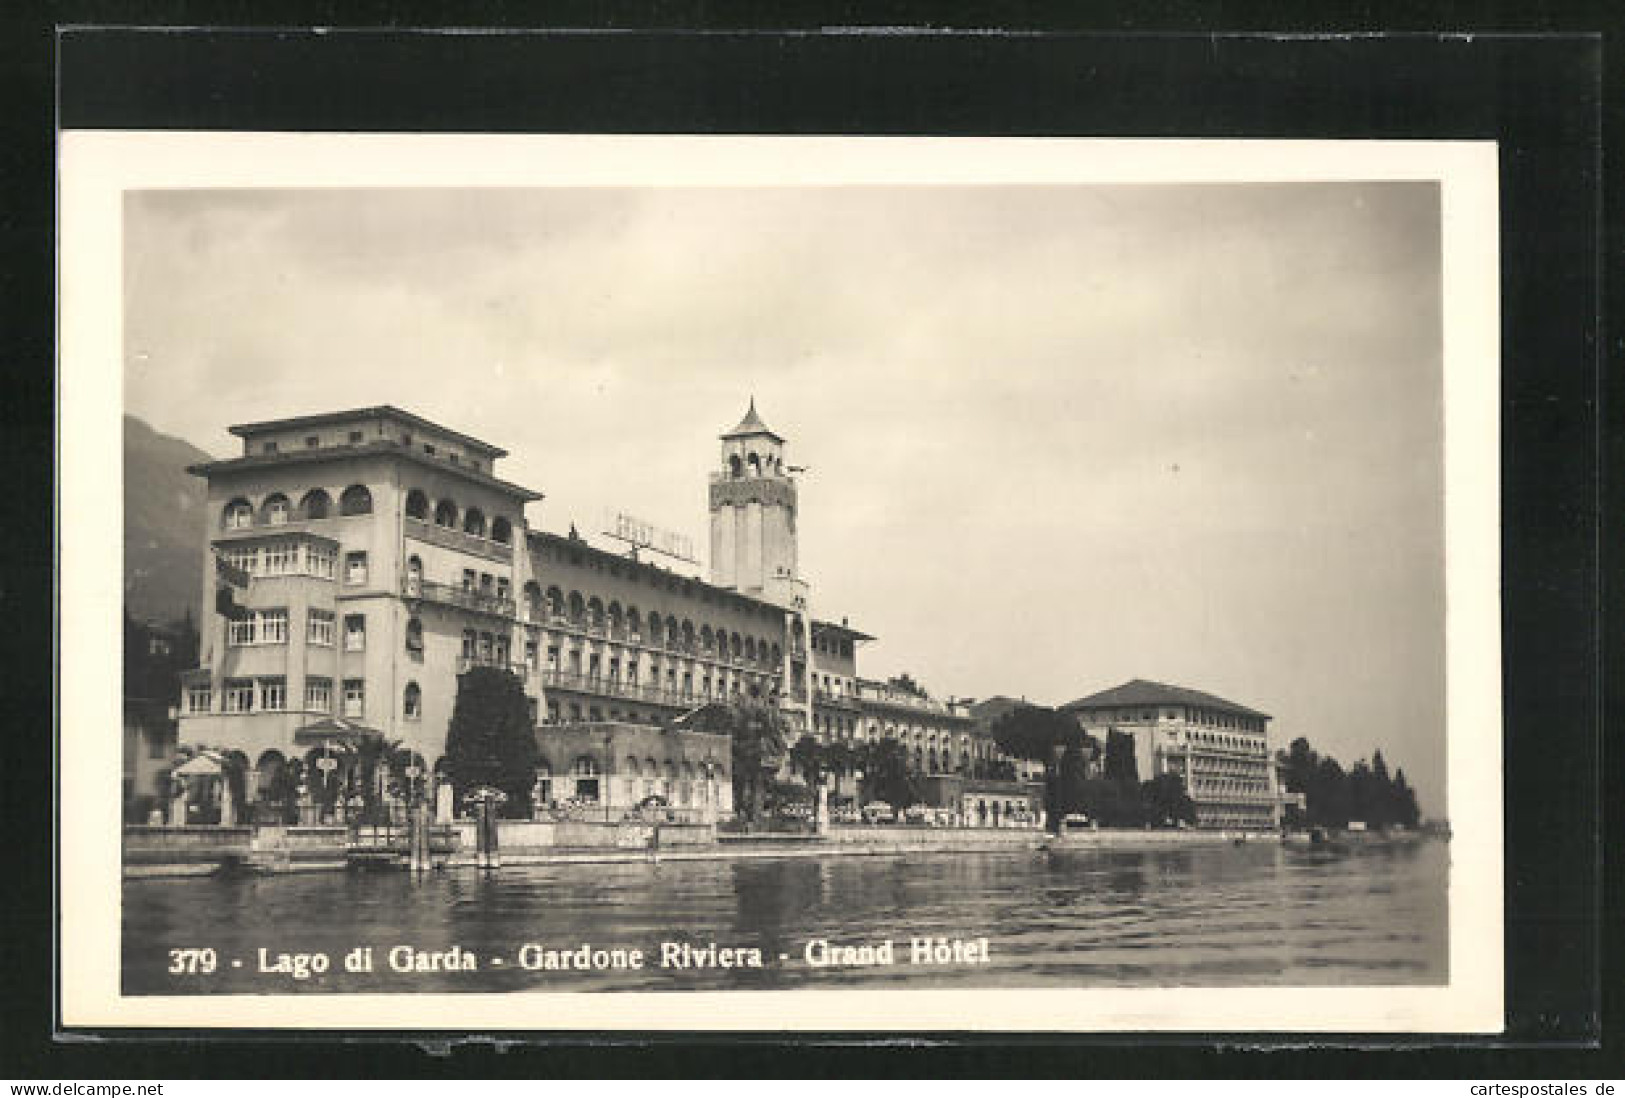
{"points": [[708, 639], [356, 500], [735, 645], [533, 600], [413, 702], [501, 531], [634, 621], [417, 505], [754, 464], [414, 635], [688, 634], [595, 612], [238, 515], [317, 504], [555, 602], [671, 631], [750, 648], [276, 510], [578, 608], [414, 575], [736, 467], [474, 522], [777, 655], [445, 514]]}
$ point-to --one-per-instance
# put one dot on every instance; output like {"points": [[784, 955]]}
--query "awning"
{"points": [[340, 730], [198, 766]]}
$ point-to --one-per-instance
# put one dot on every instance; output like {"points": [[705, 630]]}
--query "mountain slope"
{"points": [[163, 524]]}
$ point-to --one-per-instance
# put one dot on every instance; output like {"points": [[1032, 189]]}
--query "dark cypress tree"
{"points": [[490, 740]]}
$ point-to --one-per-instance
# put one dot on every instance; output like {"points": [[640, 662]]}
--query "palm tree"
{"points": [[374, 756]]}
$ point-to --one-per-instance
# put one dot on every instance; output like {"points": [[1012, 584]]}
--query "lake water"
{"points": [[1256, 914]]}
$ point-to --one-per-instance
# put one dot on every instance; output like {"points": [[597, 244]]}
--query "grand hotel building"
{"points": [[385, 556]]}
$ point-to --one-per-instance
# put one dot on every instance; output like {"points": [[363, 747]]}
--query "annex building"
{"points": [[1219, 748], [372, 556]]}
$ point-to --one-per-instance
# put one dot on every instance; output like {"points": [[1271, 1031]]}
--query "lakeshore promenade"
{"points": [[189, 852]]}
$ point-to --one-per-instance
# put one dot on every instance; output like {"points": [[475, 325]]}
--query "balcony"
{"points": [[481, 602], [448, 538], [468, 663], [599, 686], [832, 698]]}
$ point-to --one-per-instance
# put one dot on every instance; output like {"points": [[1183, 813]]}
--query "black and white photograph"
{"points": [[1020, 584]]}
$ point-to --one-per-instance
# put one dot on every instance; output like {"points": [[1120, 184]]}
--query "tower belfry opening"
{"points": [[753, 513]]}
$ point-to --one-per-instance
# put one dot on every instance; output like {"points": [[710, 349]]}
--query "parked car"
{"points": [[878, 812]]}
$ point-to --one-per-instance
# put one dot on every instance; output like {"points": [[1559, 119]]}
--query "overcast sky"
{"points": [[1059, 437]]}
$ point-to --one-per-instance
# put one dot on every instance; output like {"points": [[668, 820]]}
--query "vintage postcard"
{"points": [[788, 584]]}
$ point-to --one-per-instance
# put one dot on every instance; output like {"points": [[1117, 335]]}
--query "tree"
{"points": [[807, 759], [1121, 765], [1041, 734], [888, 776], [1166, 802], [755, 729], [490, 740], [376, 757], [1406, 811], [1330, 804], [1070, 778]]}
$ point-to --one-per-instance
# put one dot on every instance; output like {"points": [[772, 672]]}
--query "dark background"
{"points": [[1542, 98]]}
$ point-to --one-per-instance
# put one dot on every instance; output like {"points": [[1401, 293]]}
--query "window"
{"points": [[199, 699], [355, 698], [355, 438], [268, 448], [413, 702], [319, 628], [273, 694], [319, 695], [468, 579], [417, 505], [428, 448], [273, 627], [406, 438], [277, 509], [470, 641], [414, 635], [239, 695], [258, 627], [355, 568], [239, 515], [356, 500], [317, 504], [321, 561], [355, 632], [244, 558], [312, 441], [241, 630], [281, 557]]}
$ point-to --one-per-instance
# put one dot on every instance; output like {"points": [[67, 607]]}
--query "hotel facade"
{"points": [[377, 556]]}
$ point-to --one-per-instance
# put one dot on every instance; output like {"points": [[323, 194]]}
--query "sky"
{"points": [[1056, 437]]}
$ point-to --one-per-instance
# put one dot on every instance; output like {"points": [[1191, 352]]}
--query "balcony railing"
{"points": [[619, 688], [449, 538], [468, 663], [483, 602], [832, 697]]}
